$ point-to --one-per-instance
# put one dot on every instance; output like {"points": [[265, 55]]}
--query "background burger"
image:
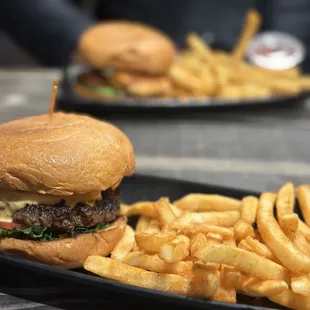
{"points": [[125, 58], [59, 195]]}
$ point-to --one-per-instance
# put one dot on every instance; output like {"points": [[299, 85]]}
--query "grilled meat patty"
{"points": [[62, 218]]}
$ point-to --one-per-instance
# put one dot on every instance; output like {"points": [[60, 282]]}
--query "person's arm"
{"points": [[48, 29]]}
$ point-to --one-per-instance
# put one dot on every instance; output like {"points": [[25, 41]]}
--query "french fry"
{"points": [[153, 243], [275, 239], [207, 202], [250, 28], [239, 258], [213, 239], [301, 284], [221, 218], [292, 300], [303, 196], [140, 208], [197, 243], [265, 288], [242, 230], [176, 250], [115, 270], [304, 229], [229, 276], [154, 263], [125, 245], [142, 224], [164, 212], [300, 241], [187, 228], [245, 246], [260, 248], [249, 207], [229, 241], [288, 220], [153, 227], [225, 295]]}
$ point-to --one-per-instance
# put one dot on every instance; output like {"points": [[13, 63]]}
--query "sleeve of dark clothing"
{"points": [[47, 29]]}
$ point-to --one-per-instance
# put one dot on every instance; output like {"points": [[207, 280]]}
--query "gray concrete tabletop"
{"points": [[255, 149]]}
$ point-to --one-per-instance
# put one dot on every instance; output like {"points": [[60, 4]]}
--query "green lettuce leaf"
{"points": [[45, 234]]}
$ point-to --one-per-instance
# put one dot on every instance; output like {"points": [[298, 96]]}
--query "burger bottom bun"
{"points": [[68, 253]]}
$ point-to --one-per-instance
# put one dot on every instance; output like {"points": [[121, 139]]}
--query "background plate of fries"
{"points": [[201, 76], [204, 246]]}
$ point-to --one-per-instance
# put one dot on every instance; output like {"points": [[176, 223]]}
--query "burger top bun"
{"points": [[68, 253], [127, 46], [63, 154]]}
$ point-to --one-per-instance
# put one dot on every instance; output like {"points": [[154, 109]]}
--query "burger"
{"points": [[59, 188], [124, 59]]}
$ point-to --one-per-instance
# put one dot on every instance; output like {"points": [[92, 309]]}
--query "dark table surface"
{"points": [[256, 149]]}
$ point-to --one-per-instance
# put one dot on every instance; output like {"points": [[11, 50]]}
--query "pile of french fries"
{"points": [[215, 247], [202, 72]]}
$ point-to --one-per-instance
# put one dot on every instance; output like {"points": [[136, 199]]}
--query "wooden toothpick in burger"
{"points": [[53, 99]]}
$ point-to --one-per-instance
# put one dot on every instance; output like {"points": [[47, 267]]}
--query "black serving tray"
{"points": [[68, 100], [78, 289]]}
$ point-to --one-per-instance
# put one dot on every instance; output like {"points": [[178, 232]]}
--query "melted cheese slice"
{"points": [[11, 201]]}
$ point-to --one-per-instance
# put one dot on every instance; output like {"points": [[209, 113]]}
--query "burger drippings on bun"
{"points": [[59, 187]]}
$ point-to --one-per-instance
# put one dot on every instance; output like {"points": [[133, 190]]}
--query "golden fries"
{"points": [[176, 250], [115, 270], [251, 26], [290, 256], [153, 243], [221, 218], [205, 202], [239, 258], [189, 247], [125, 245], [303, 196], [154, 263]]}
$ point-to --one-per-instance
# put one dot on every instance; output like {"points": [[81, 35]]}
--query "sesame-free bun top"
{"points": [[127, 46], [63, 154]]}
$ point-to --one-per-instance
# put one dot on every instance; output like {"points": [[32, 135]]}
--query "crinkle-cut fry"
{"points": [[245, 246], [176, 250], [125, 245], [300, 284], [213, 239], [299, 240], [261, 249], [276, 240], [242, 230], [115, 270], [164, 212], [202, 228], [287, 219], [207, 202], [245, 261], [304, 229], [153, 243], [198, 242], [221, 218], [139, 208], [265, 288], [154, 263], [303, 197], [249, 205], [292, 300], [250, 28], [142, 224], [204, 283]]}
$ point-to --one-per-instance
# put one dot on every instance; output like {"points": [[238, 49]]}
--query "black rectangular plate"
{"points": [[69, 101], [135, 188]]}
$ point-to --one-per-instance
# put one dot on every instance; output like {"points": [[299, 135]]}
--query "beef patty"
{"points": [[62, 218]]}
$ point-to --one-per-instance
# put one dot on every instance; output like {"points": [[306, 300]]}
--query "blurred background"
{"points": [[222, 19]]}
